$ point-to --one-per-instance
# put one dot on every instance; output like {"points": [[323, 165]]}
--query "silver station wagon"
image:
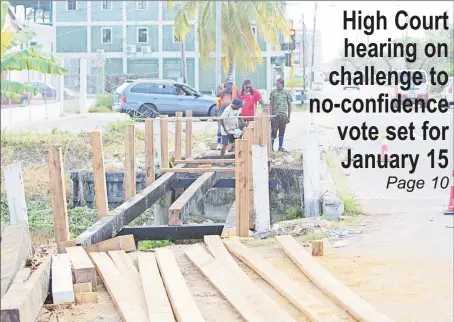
{"points": [[151, 97]]}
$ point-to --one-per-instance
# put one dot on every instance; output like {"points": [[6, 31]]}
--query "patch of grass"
{"points": [[152, 244], [351, 207], [99, 109], [325, 127], [301, 107], [292, 212], [105, 101], [312, 237]]}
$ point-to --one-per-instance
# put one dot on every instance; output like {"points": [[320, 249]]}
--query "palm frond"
{"points": [[31, 59], [10, 87], [7, 38]]}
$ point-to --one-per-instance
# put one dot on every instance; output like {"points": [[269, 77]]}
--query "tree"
{"points": [[239, 43], [30, 58]]}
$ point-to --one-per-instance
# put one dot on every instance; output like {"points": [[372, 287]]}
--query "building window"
{"points": [[71, 5], [106, 35], [106, 5], [176, 40], [142, 35], [142, 5]]}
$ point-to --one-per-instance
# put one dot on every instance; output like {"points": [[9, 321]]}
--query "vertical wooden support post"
{"points": [[242, 187], [258, 130], [15, 193], [188, 153], [99, 173], [58, 195], [248, 135], [164, 124], [130, 162], [149, 151], [178, 127], [266, 132]]}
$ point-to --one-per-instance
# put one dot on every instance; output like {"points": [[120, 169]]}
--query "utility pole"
{"points": [[218, 42], [303, 58], [313, 45], [292, 68]]}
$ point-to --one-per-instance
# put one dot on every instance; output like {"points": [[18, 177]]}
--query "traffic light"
{"points": [[292, 38]]}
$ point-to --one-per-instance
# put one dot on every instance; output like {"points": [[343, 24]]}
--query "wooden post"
{"points": [[99, 173], [188, 153], [164, 123], [242, 187], [317, 248], [149, 151], [58, 195], [130, 162], [266, 132], [260, 188], [178, 127], [15, 193], [258, 130], [248, 135]]}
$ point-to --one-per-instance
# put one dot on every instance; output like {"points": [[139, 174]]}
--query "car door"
{"points": [[190, 101], [164, 98]]}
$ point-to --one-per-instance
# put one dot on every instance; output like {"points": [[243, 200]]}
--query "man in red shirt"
{"points": [[250, 98]]}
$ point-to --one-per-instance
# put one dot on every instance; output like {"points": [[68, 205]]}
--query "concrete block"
{"points": [[332, 206], [62, 280]]}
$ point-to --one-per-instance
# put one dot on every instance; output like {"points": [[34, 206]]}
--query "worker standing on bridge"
{"points": [[230, 124], [281, 108], [226, 93]]}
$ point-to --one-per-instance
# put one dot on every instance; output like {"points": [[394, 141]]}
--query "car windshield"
{"points": [[187, 90]]}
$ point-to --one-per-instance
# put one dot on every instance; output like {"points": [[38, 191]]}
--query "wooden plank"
{"points": [[62, 245], [344, 296], [276, 278], [122, 294], [58, 195], [86, 298], [242, 187], [183, 304], [83, 268], [125, 242], [256, 296], [149, 151], [24, 302], [15, 193], [266, 131], [183, 205], [178, 133], [249, 135], [260, 188], [188, 150], [317, 248], [198, 170], [258, 130], [164, 127], [62, 280], [166, 232], [82, 288], [238, 295], [99, 174], [130, 162], [130, 273], [158, 305], [203, 161]]}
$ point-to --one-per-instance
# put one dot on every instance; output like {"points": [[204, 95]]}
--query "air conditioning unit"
{"points": [[100, 51], [131, 49], [145, 49]]}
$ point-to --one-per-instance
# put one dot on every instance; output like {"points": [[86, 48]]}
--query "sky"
{"points": [[330, 14]]}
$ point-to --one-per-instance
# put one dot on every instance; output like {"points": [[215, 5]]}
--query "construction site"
{"points": [[245, 268]]}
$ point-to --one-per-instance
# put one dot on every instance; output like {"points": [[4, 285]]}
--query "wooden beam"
{"points": [[344, 296], [180, 297], [182, 207], [83, 288], [248, 134], [158, 305], [228, 285], [24, 302], [149, 151], [120, 291], [203, 161], [188, 152], [61, 247], [86, 298], [164, 128], [205, 169], [58, 195], [266, 132], [276, 278], [62, 280], [242, 187], [256, 296], [15, 193], [317, 248], [258, 130], [130, 162], [83, 268], [178, 133], [99, 174], [165, 232], [260, 188], [125, 242]]}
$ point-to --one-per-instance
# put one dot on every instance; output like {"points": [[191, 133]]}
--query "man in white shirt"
{"points": [[229, 124]]}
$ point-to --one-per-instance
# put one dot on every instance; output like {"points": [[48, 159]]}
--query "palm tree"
{"points": [[239, 44], [30, 58]]}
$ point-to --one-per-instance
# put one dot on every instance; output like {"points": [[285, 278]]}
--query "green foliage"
{"points": [[105, 101], [152, 244], [293, 212]]}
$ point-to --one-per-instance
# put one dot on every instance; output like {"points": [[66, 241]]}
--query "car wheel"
{"points": [[148, 111], [212, 111]]}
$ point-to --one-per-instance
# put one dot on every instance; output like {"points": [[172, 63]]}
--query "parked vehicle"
{"points": [[46, 91], [416, 91], [448, 92], [151, 97]]}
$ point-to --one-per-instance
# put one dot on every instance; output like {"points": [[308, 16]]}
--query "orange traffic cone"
{"points": [[450, 210]]}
